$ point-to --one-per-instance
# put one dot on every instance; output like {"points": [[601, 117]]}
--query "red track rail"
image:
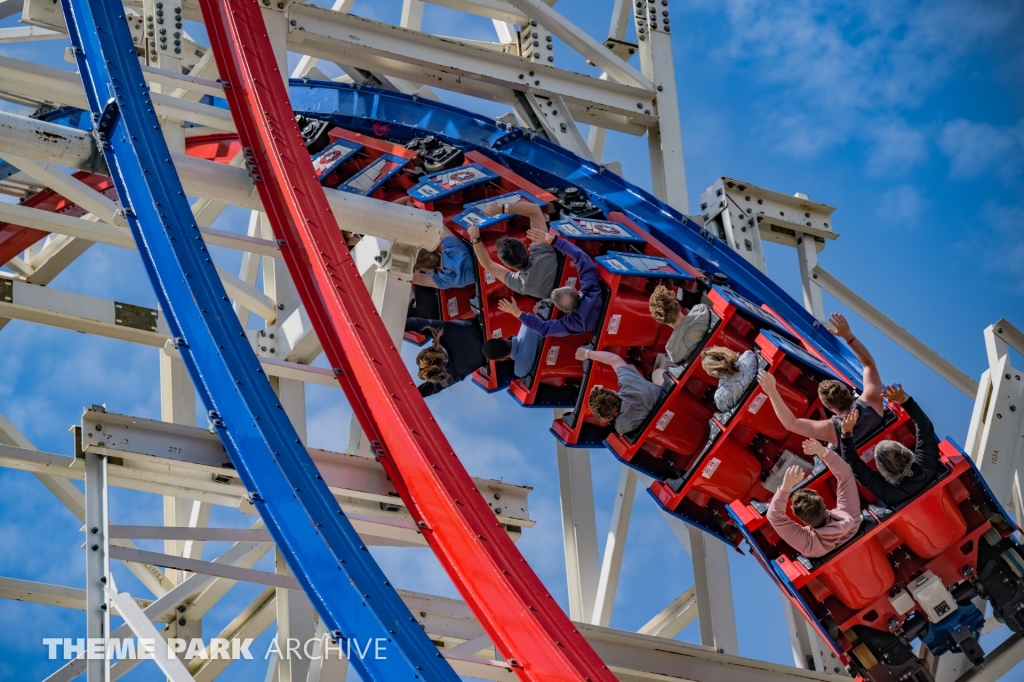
{"points": [[516, 610]]}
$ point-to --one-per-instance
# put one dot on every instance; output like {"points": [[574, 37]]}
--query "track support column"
{"points": [[579, 529], [97, 566]]}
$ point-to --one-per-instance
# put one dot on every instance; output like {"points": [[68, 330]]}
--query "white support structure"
{"points": [[615, 547], [136, 619], [996, 435], [579, 528], [97, 567]]}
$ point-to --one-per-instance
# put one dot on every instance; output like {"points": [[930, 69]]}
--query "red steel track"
{"points": [[515, 609]]}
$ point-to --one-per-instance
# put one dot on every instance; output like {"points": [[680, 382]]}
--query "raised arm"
{"points": [[605, 358], [847, 499], [865, 475], [534, 323], [796, 536], [808, 428], [499, 272], [926, 451], [530, 210], [589, 279], [872, 380]]}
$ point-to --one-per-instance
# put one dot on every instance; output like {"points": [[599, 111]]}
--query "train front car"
{"points": [[916, 571]]}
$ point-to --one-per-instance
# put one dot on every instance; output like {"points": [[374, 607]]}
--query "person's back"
{"points": [[826, 529], [540, 274], [638, 395], [901, 474], [735, 373], [687, 331], [455, 353]]}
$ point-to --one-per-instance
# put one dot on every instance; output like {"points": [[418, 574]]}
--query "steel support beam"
{"points": [[673, 618], [97, 567], [579, 528], [877, 319], [615, 547]]}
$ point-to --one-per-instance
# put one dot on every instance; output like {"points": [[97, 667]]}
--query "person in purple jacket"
{"points": [[581, 310], [826, 529]]}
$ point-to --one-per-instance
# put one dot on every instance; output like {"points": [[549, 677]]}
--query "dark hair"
{"points": [[835, 395], [719, 361], [513, 253], [810, 508], [894, 461], [604, 404], [497, 349], [566, 299], [664, 306], [432, 361], [428, 260]]}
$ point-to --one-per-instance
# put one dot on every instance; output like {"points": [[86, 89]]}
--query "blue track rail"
{"points": [[369, 110], [322, 549]]}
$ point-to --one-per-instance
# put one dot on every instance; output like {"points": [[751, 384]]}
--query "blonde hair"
{"points": [[720, 362], [664, 306], [432, 361]]}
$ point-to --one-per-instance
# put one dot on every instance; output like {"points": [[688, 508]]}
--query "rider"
{"points": [[529, 272], [836, 396]]}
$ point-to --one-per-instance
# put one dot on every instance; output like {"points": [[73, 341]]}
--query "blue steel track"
{"points": [[321, 548], [372, 112]]}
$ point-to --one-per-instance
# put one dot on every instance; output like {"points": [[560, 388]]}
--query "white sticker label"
{"points": [[613, 324], [710, 468], [453, 307], [615, 264], [488, 277], [552, 356], [757, 403], [571, 282], [664, 421], [496, 334]]}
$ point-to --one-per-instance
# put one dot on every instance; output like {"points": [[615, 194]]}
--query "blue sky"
{"points": [[906, 116]]}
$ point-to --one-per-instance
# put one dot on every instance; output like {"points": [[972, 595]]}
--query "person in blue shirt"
{"points": [[581, 310], [521, 348], [450, 269]]}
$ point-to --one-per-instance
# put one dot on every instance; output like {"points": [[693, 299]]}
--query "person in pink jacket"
{"points": [[826, 529]]}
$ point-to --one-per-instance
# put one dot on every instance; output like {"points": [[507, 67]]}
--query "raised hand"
{"points": [[895, 393], [839, 326], [509, 306], [793, 475], [766, 380], [539, 236], [581, 354], [474, 232], [814, 447], [491, 210], [848, 422]]}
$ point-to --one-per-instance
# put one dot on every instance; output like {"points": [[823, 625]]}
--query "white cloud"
{"points": [[901, 206], [835, 72], [974, 148]]}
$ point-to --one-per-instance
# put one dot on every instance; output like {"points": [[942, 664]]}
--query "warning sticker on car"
{"points": [[613, 324], [756, 404], [710, 468], [664, 421], [552, 356], [453, 307]]}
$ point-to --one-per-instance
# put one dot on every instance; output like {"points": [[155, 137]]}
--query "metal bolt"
{"points": [[103, 607], [967, 571], [280, 5], [94, 530], [99, 427], [182, 621], [95, 548], [660, 88], [280, 306], [497, 496], [181, 608], [293, 22], [497, 510], [892, 624]]}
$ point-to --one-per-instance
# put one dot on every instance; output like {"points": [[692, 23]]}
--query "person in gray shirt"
{"points": [[530, 272], [688, 331], [636, 396]]}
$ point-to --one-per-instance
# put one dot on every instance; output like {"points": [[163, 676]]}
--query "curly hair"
{"points": [[513, 253], [810, 508], [428, 260], [432, 361], [497, 349], [895, 462], [836, 396], [719, 361], [664, 306], [604, 404]]}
